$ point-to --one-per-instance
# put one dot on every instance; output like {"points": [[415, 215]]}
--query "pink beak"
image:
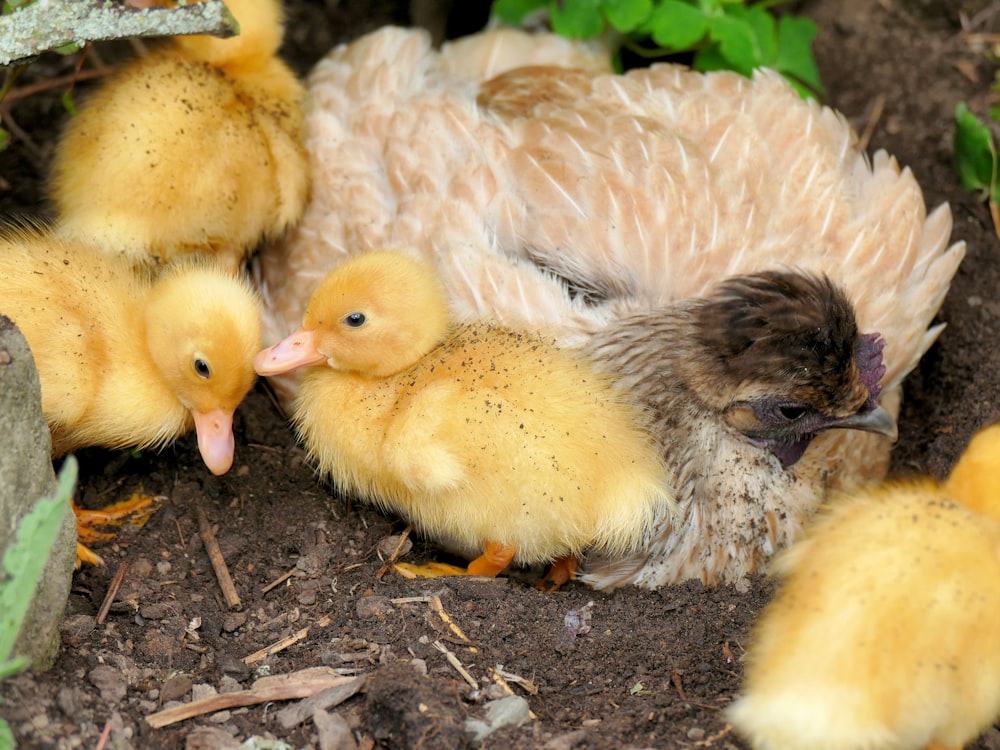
{"points": [[295, 351], [215, 439]]}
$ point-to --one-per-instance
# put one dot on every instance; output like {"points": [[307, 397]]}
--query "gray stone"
{"points": [[25, 476]]}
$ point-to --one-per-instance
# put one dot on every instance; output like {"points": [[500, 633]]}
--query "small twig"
{"points": [[395, 553], [436, 606], [301, 684], [675, 678], [113, 589], [103, 739], [501, 676], [278, 581], [497, 674], [878, 106], [180, 533], [711, 740], [453, 660], [22, 92], [217, 560], [284, 643]]}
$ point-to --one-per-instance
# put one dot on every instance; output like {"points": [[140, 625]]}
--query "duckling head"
{"points": [[975, 480], [202, 330], [260, 33], [375, 315], [788, 361]]}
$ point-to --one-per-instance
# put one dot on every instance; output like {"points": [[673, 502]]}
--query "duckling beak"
{"points": [[215, 439], [295, 351]]}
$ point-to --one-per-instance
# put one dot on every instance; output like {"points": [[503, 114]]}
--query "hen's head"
{"points": [[786, 361]]}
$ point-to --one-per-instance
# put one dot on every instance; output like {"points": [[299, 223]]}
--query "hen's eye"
{"points": [[791, 413], [202, 369], [355, 319]]}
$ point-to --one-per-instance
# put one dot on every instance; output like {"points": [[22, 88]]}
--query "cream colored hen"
{"points": [[583, 202]]}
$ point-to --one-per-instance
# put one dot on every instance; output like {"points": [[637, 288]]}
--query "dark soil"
{"points": [[655, 667]]}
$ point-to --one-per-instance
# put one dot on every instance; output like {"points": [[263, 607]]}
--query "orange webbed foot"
{"points": [[428, 570], [494, 559], [136, 510], [561, 571]]}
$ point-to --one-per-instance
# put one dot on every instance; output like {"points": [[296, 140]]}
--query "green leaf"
{"points": [[736, 43], [975, 154], [6, 736], [580, 19], [995, 112], [68, 104], [795, 55], [513, 11], [763, 32], [626, 15], [12, 667], [709, 59], [677, 26], [24, 561], [68, 49], [4, 139]]}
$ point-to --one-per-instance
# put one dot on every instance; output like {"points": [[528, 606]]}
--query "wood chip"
{"points": [[284, 643], [301, 684], [878, 107], [453, 660], [217, 560], [113, 589], [438, 607], [279, 580], [391, 562], [298, 713]]}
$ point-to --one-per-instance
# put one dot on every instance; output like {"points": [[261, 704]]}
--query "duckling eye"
{"points": [[355, 319], [202, 369]]}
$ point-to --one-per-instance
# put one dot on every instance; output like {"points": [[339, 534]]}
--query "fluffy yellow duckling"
{"points": [[490, 441], [885, 632], [196, 147], [125, 360]]}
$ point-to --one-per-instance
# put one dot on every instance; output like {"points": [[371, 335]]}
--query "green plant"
{"points": [[21, 569], [735, 35], [975, 158]]}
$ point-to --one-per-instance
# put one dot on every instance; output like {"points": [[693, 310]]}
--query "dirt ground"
{"points": [[654, 669]]}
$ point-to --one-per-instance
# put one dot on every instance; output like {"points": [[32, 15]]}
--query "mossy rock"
{"points": [[25, 476]]}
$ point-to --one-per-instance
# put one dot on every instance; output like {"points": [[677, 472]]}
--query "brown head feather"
{"points": [[789, 327]]}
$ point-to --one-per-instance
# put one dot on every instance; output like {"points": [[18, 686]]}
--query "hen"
{"points": [[582, 203], [195, 148], [493, 442], [883, 634]]}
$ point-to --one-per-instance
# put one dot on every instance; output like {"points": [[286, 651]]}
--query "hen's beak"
{"points": [[295, 351], [215, 438], [874, 420]]}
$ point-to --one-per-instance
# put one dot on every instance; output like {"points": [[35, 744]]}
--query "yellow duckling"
{"points": [[196, 147], [490, 441], [125, 360], [885, 632]]}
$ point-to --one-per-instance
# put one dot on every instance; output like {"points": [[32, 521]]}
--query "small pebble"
{"points": [[369, 607], [696, 734], [109, 681], [157, 610], [203, 690], [176, 687], [234, 621]]}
